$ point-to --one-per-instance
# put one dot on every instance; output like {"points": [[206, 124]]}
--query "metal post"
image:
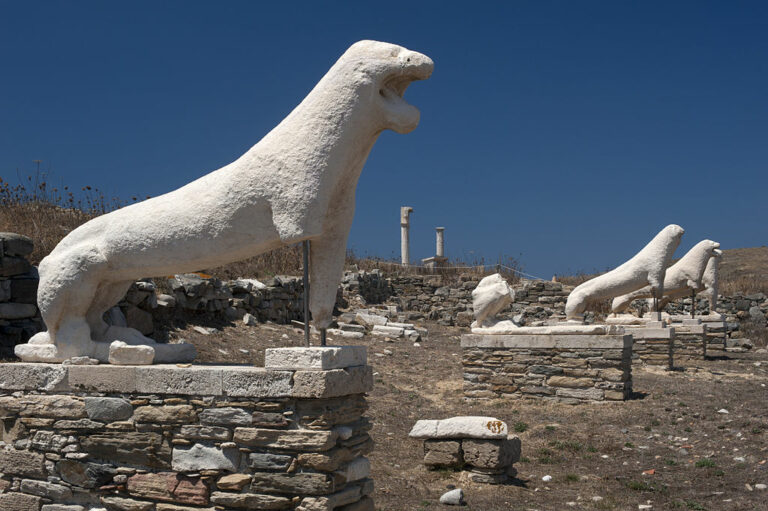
{"points": [[693, 303], [323, 333], [305, 246]]}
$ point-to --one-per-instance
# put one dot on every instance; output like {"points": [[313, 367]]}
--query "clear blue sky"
{"points": [[562, 133]]}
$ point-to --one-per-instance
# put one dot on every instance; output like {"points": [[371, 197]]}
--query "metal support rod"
{"points": [[693, 303], [305, 246], [323, 333]]}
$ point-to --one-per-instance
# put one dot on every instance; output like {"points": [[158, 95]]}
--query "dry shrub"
{"points": [[742, 285]]}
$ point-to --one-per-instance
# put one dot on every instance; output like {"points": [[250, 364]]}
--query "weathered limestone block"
{"points": [[132, 448], [168, 414], [306, 483], [295, 439], [22, 463], [19, 502], [333, 383], [315, 358], [205, 457], [169, 487], [460, 427], [108, 409], [443, 453], [492, 454], [250, 501], [55, 492]]}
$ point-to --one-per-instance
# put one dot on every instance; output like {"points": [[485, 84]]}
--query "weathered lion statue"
{"points": [[647, 267], [681, 279], [297, 183]]}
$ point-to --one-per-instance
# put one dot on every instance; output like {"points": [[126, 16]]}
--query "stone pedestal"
{"points": [[289, 436], [565, 367], [654, 344], [480, 446]]}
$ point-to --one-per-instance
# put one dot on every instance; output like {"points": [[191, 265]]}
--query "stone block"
{"points": [[491, 454], [256, 382], [267, 461], [226, 416], [22, 463], [333, 383], [249, 501], [566, 381], [585, 394], [168, 414], [235, 482], [298, 483], [173, 507], [315, 358], [19, 502], [294, 439], [10, 266], [14, 244], [57, 407], [652, 333], [131, 448], [123, 504], [547, 341], [11, 310], [197, 432], [460, 427], [169, 487], [123, 354], [443, 453], [63, 507], [33, 376], [103, 378], [108, 409], [86, 475], [205, 457], [55, 492], [168, 379]]}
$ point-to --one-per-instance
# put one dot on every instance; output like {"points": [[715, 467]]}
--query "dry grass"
{"points": [[47, 214]]}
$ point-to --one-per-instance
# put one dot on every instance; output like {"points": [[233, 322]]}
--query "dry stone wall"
{"points": [[568, 368], [164, 438], [19, 316]]}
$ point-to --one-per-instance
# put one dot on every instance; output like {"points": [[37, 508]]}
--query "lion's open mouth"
{"points": [[394, 88]]}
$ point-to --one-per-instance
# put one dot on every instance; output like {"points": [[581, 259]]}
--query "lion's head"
{"points": [[383, 71]]}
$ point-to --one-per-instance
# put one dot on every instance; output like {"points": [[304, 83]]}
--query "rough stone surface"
{"points": [[202, 457], [460, 427], [109, 409], [316, 358]]}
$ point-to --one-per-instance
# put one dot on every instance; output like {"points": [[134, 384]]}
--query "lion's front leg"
{"points": [[326, 266]]}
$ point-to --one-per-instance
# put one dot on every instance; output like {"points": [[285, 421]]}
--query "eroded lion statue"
{"points": [[647, 267], [297, 183]]}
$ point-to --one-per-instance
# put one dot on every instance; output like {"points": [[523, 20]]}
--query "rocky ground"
{"points": [[696, 438]]}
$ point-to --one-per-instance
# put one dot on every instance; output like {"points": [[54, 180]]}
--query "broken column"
{"points": [[405, 254], [439, 259]]}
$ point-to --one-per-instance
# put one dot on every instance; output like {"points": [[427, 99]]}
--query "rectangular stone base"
{"points": [[570, 368], [167, 438], [653, 346]]}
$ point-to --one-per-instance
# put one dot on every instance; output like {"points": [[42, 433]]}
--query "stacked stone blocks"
{"points": [[568, 368], [19, 317], [165, 438]]}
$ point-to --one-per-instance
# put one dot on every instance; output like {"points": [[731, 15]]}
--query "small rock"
{"points": [[546, 478], [453, 498], [250, 320], [121, 353], [597, 498], [761, 486], [722, 410]]}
